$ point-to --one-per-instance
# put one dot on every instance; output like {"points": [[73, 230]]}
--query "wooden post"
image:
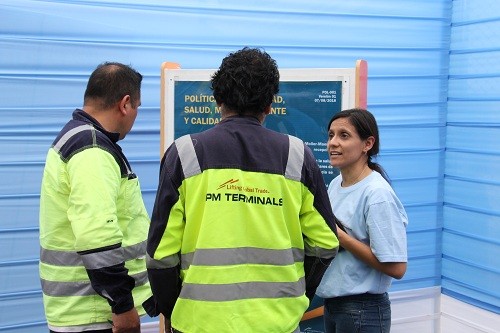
{"points": [[165, 65], [361, 100]]}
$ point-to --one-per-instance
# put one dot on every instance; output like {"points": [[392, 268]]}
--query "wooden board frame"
{"points": [[354, 94]]}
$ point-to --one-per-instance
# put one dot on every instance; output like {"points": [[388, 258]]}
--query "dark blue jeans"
{"points": [[365, 313]]}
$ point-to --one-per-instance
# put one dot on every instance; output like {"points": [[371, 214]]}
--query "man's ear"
{"points": [[124, 104], [268, 109]]}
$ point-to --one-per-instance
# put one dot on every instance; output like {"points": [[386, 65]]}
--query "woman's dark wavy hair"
{"points": [[246, 81], [365, 124]]}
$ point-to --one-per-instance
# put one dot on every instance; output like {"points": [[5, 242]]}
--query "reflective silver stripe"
{"points": [[102, 259], [242, 255], [80, 328], [315, 251], [76, 130], [69, 134], [167, 262], [295, 159], [71, 258], [244, 290], [187, 155], [81, 288]]}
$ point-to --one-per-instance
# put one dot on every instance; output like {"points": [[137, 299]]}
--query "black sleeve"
{"points": [[314, 268], [113, 283], [166, 287], [165, 280]]}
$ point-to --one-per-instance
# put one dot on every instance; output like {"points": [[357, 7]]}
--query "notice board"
{"points": [[307, 99]]}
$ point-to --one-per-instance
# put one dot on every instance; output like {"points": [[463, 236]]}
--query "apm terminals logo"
{"points": [[230, 181], [232, 186]]}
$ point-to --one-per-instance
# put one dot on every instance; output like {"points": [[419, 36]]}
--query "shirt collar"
{"points": [[81, 115], [241, 119]]}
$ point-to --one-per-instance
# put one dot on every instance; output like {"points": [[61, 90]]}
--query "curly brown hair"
{"points": [[246, 81]]}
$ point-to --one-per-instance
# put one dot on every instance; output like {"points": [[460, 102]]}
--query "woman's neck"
{"points": [[354, 175]]}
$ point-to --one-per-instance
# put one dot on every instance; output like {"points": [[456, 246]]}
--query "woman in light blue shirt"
{"points": [[373, 239]]}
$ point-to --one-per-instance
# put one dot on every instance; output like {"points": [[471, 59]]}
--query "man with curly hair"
{"points": [[242, 229]]}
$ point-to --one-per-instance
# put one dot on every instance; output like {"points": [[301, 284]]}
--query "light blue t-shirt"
{"points": [[372, 213]]}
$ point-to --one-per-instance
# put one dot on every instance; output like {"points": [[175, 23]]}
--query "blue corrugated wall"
{"points": [[48, 49], [471, 243]]}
